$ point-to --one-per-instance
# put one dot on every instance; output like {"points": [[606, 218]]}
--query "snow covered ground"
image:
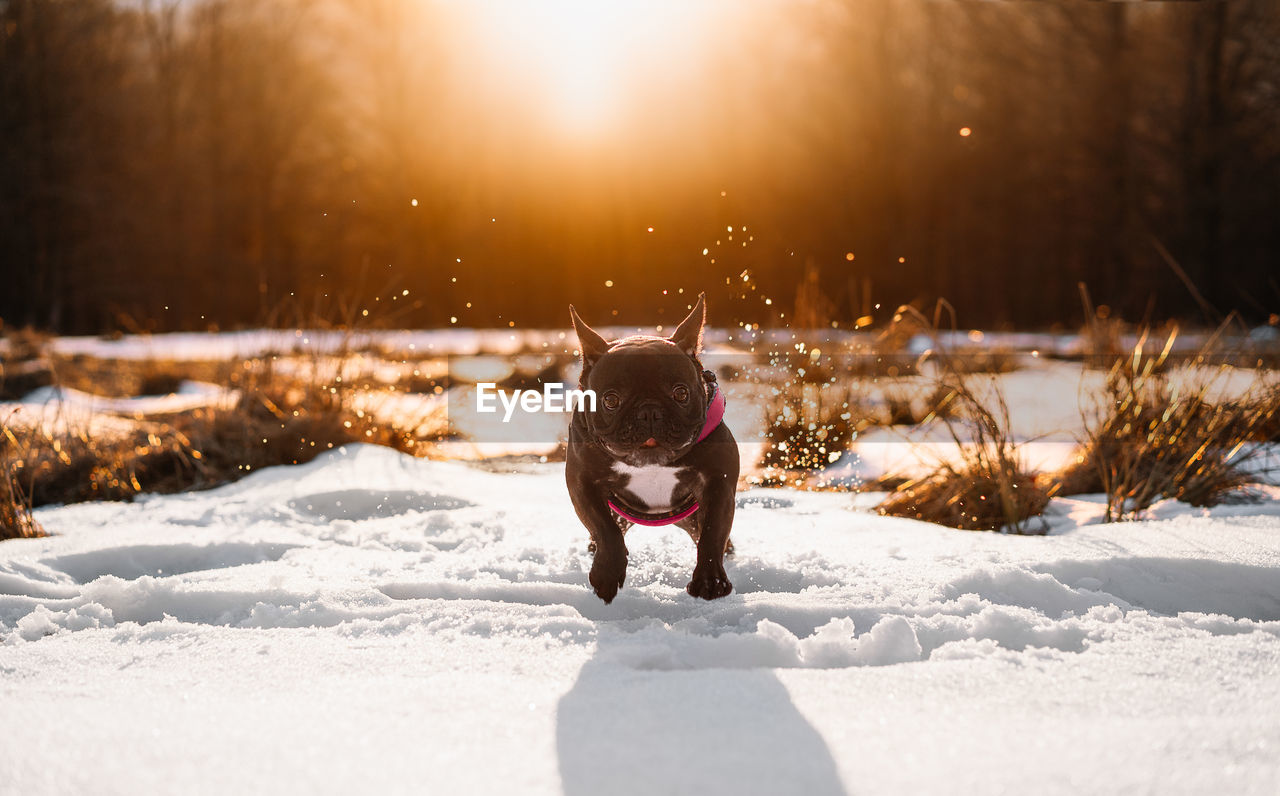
{"points": [[375, 623], [1048, 399], [256, 342]]}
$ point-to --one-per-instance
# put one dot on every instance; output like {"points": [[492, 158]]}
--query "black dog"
{"points": [[654, 451]]}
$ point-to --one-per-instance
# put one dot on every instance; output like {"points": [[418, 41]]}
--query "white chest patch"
{"points": [[653, 485]]}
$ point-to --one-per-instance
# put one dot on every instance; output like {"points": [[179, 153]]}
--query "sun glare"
{"points": [[581, 59]]}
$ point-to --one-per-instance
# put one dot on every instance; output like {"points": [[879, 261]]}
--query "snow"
{"points": [[190, 395], [374, 622], [64, 411], [466, 341], [1045, 396], [217, 346]]}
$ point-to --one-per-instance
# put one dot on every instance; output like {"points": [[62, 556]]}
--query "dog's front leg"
{"points": [[609, 567], [709, 579]]}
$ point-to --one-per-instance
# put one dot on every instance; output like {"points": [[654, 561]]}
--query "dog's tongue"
{"points": [[649, 443]]}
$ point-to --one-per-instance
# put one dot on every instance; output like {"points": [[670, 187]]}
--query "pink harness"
{"points": [[715, 415]]}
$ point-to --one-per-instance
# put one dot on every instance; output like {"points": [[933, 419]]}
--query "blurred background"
{"points": [[195, 164]]}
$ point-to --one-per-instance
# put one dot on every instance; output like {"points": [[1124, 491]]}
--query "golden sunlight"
{"points": [[582, 60]]}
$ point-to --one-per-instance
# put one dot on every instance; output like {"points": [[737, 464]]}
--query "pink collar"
{"points": [[715, 413], [715, 416]]}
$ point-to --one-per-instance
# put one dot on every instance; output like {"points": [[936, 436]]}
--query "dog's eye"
{"points": [[611, 401], [680, 393]]}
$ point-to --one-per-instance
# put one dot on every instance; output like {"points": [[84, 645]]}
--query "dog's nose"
{"points": [[649, 443], [650, 418]]}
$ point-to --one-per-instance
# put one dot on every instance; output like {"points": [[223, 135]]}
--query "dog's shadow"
{"points": [[626, 727]]}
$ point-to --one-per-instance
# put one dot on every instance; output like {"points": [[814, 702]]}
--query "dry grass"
{"points": [[985, 360], [1156, 436], [988, 489], [899, 409], [276, 420], [125, 378], [27, 362], [808, 426], [23, 364], [22, 344], [916, 402], [971, 498], [1266, 421], [16, 521], [811, 415], [22, 369], [18, 379], [814, 416]]}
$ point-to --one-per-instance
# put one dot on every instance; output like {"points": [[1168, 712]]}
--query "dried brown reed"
{"points": [[987, 489], [16, 520], [277, 419], [1162, 432]]}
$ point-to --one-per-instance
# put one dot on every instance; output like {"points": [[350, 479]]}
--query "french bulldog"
{"points": [[654, 451]]}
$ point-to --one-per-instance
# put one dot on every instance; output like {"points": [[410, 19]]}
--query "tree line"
{"points": [[184, 164]]}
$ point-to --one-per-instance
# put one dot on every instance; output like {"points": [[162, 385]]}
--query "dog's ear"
{"points": [[688, 335], [592, 344]]}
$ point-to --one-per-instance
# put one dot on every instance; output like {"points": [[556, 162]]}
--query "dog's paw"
{"points": [[607, 575], [709, 582]]}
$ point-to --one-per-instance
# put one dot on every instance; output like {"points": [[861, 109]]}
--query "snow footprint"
{"points": [[131, 563], [367, 504]]}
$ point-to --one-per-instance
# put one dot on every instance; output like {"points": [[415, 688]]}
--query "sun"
{"points": [[576, 45], [580, 60]]}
